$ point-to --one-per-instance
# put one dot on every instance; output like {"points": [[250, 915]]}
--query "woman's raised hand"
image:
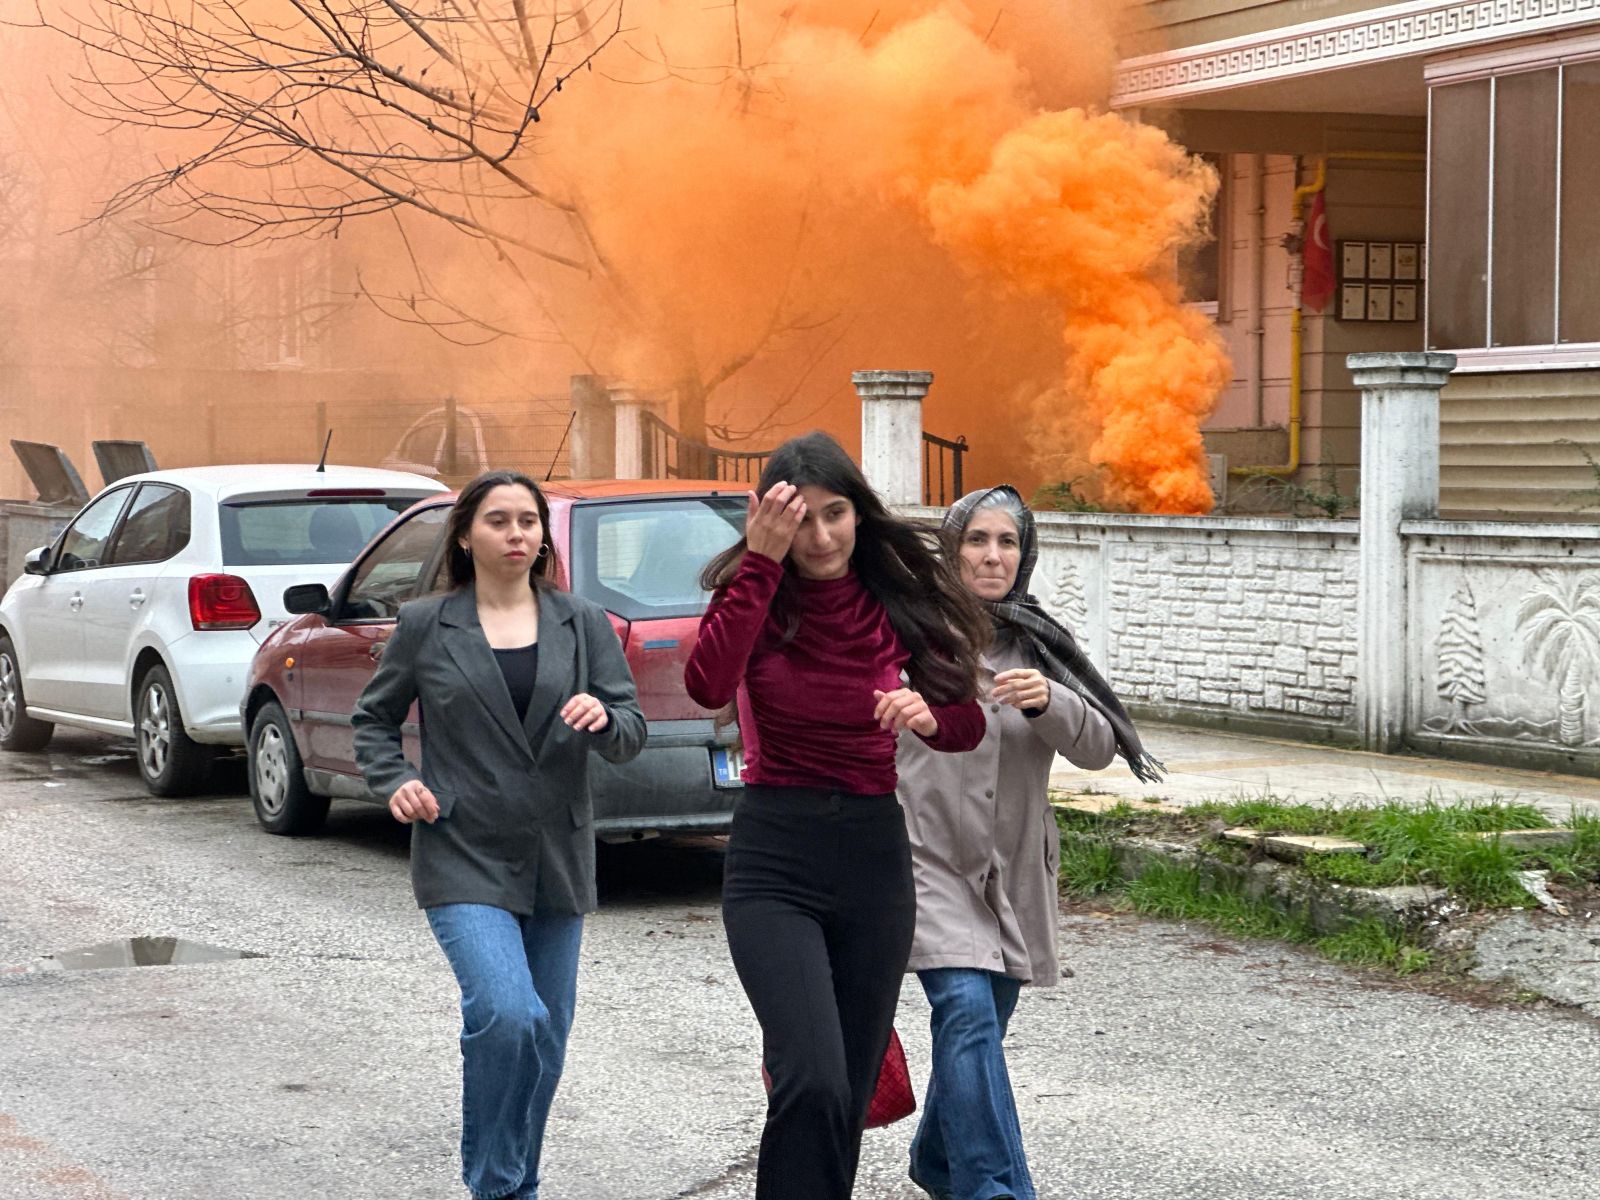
{"points": [[412, 801], [585, 714], [773, 520], [904, 709], [1022, 688]]}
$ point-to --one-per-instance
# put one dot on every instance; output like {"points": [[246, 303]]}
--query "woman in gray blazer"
{"points": [[517, 683]]}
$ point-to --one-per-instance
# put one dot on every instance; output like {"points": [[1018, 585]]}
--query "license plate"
{"points": [[727, 768]]}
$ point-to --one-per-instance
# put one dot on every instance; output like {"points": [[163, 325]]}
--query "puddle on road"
{"points": [[100, 760], [142, 952]]}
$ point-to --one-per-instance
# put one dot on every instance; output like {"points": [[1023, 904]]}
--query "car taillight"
{"points": [[221, 602]]}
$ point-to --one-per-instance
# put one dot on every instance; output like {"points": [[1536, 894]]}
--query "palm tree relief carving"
{"points": [[1559, 624]]}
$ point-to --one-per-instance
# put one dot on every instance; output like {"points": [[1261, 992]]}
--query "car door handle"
{"points": [[376, 650], [136, 597], [76, 602]]}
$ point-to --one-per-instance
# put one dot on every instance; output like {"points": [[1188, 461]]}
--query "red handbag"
{"points": [[893, 1100]]}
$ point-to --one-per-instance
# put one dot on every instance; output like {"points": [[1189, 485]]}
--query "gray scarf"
{"points": [[1047, 640]]}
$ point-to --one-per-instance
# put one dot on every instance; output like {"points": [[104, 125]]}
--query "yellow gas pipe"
{"points": [[1297, 217]]}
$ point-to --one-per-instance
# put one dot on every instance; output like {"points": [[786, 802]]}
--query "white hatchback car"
{"points": [[143, 616]]}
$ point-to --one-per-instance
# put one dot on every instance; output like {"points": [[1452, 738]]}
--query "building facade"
{"points": [[1456, 147]]}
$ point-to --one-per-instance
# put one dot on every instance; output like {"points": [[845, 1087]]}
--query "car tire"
{"points": [[283, 803], [171, 762], [18, 731]]}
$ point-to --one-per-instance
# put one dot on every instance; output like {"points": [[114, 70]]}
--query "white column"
{"points": [[1399, 482], [630, 431], [891, 431], [592, 449]]}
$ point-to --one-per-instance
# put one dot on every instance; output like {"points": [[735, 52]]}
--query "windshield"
{"points": [[642, 559], [303, 532]]}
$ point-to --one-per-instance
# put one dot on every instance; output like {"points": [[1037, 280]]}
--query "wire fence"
{"points": [[440, 436]]}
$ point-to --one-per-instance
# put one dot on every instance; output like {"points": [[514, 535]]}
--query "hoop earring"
{"points": [[543, 549]]}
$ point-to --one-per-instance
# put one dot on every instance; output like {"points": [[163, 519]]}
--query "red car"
{"points": [[634, 547]]}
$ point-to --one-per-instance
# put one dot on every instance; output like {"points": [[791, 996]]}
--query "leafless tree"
{"points": [[291, 117]]}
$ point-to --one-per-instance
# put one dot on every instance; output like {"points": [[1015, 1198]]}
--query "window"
{"points": [[156, 527], [84, 543], [642, 559], [387, 577], [1513, 172], [303, 532], [1200, 265]]}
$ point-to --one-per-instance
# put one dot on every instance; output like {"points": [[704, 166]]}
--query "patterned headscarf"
{"points": [[1047, 640]]}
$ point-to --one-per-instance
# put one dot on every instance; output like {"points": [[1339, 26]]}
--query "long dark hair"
{"points": [[935, 616], [459, 562]]}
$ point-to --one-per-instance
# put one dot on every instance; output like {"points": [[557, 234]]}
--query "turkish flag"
{"points": [[1316, 282]]}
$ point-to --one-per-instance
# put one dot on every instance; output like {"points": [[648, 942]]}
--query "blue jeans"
{"points": [[519, 984], [968, 1145]]}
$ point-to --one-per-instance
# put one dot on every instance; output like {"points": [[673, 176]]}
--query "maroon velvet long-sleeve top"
{"points": [[805, 706]]}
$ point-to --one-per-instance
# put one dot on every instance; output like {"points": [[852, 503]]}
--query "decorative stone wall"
{"points": [[1503, 649], [1245, 623]]}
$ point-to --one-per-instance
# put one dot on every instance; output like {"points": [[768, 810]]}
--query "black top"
{"points": [[519, 666]]}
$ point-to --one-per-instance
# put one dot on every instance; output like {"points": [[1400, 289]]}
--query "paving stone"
{"points": [[1243, 834], [1295, 847]]}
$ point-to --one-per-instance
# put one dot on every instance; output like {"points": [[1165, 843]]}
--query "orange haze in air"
{"points": [[773, 193]]}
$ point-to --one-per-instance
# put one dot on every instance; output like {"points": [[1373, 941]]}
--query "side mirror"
{"points": [[35, 562], [307, 598]]}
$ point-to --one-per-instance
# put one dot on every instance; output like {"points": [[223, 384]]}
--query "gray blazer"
{"points": [[516, 826]]}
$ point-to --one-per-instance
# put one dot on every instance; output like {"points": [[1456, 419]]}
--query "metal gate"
{"points": [[669, 454]]}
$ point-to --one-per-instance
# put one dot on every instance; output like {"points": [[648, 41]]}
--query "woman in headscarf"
{"points": [[986, 850]]}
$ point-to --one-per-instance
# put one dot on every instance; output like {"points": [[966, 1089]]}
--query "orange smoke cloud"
{"points": [[1088, 210], [868, 157]]}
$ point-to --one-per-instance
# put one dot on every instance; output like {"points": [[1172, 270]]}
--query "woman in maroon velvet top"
{"points": [[834, 626]]}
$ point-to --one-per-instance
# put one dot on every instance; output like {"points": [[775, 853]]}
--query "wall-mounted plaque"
{"points": [[1407, 260], [1353, 260], [1380, 260]]}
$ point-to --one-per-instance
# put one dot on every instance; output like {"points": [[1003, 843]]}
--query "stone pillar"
{"points": [[1399, 482], [594, 429], [891, 431], [630, 447]]}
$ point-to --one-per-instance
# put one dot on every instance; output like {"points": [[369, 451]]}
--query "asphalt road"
{"points": [[1173, 1065]]}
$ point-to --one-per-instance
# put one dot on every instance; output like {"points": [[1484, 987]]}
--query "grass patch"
{"points": [[1089, 866], [1357, 871], [1409, 844], [1371, 943], [1579, 863], [1431, 843], [1187, 894]]}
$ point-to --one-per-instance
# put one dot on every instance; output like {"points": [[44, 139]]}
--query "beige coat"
{"points": [[984, 845]]}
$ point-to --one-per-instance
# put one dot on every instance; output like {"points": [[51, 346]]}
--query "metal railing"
{"points": [[940, 453], [669, 454]]}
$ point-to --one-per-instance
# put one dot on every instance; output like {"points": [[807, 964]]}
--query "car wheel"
{"points": [[283, 802], [172, 763], [18, 731]]}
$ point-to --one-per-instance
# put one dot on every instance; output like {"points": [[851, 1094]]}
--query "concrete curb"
{"points": [[1550, 957], [1329, 907]]}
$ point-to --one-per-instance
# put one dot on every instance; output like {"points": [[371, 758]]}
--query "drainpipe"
{"points": [[1258, 289], [1297, 229]]}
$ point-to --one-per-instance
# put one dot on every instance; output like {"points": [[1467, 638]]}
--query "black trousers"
{"points": [[820, 909]]}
